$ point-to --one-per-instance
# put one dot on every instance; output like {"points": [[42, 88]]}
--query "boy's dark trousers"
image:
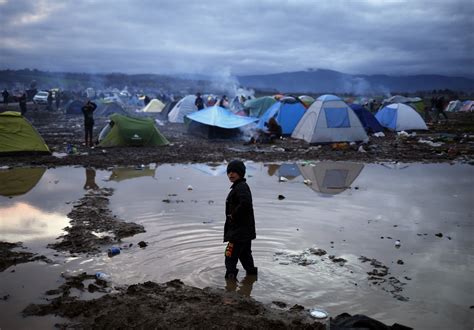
{"points": [[236, 251]]}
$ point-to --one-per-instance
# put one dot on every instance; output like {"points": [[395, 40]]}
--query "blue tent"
{"points": [[216, 122], [286, 114], [368, 120]]}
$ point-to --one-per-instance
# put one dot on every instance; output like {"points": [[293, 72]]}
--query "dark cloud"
{"points": [[239, 37]]}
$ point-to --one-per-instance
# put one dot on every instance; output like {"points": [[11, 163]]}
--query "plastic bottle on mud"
{"points": [[103, 277], [113, 251], [321, 316]]}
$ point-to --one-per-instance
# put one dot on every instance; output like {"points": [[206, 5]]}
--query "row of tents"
{"points": [[328, 119]]}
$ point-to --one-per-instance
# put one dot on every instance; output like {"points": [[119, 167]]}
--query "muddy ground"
{"points": [[173, 304]]}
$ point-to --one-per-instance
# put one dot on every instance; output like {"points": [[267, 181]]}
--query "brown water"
{"points": [[350, 205]]}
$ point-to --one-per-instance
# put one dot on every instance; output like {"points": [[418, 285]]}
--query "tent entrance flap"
{"points": [[337, 117]]}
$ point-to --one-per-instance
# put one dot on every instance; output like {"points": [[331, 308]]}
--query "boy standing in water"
{"points": [[239, 228]]}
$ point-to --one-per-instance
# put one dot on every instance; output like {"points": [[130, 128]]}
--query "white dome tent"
{"points": [[184, 107], [329, 119], [400, 117]]}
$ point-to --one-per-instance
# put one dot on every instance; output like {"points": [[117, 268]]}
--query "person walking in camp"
{"points": [[239, 228], [199, 102], [440, 104], [88, 111], [58, 99], [5, 95], [22, 103]]}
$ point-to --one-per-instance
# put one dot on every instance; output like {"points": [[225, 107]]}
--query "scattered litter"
{"points": [[190, 187], [431, 143], [378, 134], [439, 235], [59, 154], [282, 179], [307, 181], [113, 251], [361, 149], [142, 244], [397, 243], [280, 197]]}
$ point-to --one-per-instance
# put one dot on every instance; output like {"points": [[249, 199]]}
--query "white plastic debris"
{"points": [[403, 133], [307, 181], [431, 143], [378, 134], [282, 179], [397, 243], [361, 149], [190, 187]]}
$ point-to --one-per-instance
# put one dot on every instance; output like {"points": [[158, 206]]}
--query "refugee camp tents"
{"points": [[107, 109], [257, 107], [17, 135], [286, 112], [329, 119], [467, 106], [168, 107], [216, 122], [212, 170], [367, 119], [454, 106], [400, 117], [415, 102], [289, 171], [155, 105], [307, 100], [330, 177], [20, 180], [184, 107], [74, 107], [129, 131]]}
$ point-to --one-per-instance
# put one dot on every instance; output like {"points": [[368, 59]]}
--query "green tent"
{"points": [[19, 181], [257, 107], [17, 135], [129, 131]]}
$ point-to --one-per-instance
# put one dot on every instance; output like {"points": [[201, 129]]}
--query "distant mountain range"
{"points": [[328, 81]]}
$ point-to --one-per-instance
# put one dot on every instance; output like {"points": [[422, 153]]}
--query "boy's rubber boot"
{"points": [[231, 276], [254, 271]]}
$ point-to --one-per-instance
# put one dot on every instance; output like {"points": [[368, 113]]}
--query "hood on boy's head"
{"points": [[236, 166]]}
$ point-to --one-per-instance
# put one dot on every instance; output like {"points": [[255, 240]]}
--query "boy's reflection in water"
{"points": [[90, 179], [244, 287]]}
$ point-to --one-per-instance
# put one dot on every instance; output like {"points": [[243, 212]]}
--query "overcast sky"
{"points": [[228, 37]]}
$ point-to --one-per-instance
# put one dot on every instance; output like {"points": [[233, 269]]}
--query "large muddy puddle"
{"points": [[348, 209]]}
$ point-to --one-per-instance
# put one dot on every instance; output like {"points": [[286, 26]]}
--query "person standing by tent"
{"points": [[50, 100], [239, 228], [22, 103], [88, 111], [5, 95], [199, 102], [224, 102]]}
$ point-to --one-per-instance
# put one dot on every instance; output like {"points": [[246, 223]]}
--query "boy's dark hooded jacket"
{"points": [[240, 222]]}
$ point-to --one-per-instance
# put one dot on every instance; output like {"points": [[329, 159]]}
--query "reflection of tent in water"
{"points": [[331, 177], [211, 170], [19, 181], [124, 173], [287, 170]]}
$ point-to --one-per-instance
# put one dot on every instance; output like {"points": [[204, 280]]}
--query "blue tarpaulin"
{"points": [[220, 117]]}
